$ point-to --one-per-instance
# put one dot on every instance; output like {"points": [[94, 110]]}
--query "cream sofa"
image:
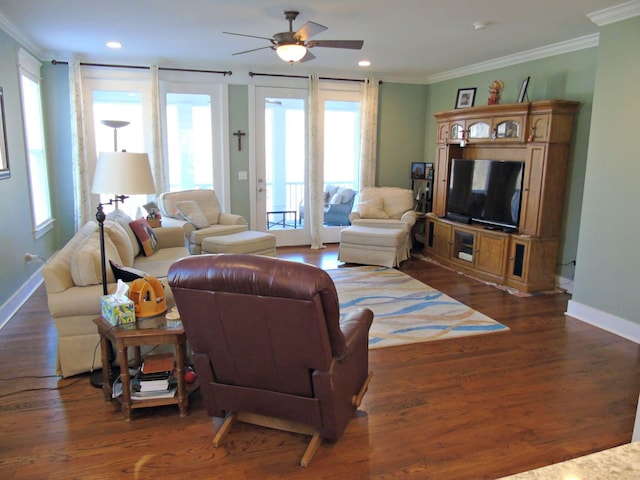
{"points": [[73, 282], [208, 219]]}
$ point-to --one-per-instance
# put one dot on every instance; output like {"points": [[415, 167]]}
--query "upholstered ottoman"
{"points": [[373, 246], [257, 243]]}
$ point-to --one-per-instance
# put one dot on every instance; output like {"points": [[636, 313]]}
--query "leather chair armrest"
{"points": [[354, 326], [231, 219], [169, 236], [354, 216]]}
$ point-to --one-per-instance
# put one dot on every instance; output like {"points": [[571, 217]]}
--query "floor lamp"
{"points": [[119, 174]]}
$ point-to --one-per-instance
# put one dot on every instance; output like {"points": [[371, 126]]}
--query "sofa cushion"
{"points": [[191, 212], [121, 241], [123, 220], [86, 268], [372, 208], [146, 238]]}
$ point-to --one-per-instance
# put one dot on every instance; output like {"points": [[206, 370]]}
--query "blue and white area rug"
{"points": [[405, 309]]}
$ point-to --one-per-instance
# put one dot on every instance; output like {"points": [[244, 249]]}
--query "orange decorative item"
{"points": [[148, 297], [495, 89]]}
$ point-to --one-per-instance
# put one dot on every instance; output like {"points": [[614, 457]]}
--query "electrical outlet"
{"points": [[30, 257]]}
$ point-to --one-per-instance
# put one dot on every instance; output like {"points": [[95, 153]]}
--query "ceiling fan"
{"points": [[294, 46]]}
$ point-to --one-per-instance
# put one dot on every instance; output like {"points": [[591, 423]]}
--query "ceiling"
{"points": [[412, 40]]}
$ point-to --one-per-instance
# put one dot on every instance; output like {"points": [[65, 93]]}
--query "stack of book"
{"points": [[155, 378]]}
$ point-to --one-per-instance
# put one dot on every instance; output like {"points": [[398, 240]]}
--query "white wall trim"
{"points": [[606, 321], [615, 14], [11, 306], [580, 43]]}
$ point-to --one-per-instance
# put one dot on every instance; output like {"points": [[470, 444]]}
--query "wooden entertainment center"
{"points": [[536, 133]]}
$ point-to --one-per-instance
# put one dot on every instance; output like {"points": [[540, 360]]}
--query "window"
{"points": [[189, 141], [35, 144]]}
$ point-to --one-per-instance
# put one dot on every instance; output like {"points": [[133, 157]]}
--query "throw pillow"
{"points": [[86, 267], [336, 199], [126, 274], [146, 238], [123, 219], [121, 241], [372, 209], [191, 212]]}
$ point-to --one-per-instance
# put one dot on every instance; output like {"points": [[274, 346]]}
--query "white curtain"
{"points": [[316, 211], [368, 132], [80, 162], [157, 157]]}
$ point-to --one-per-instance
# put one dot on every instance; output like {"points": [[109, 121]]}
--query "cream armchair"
{"points": [[387, 208], [199, 213]]}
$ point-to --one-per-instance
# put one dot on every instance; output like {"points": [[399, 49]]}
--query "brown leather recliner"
{"points": [[269, 346]]}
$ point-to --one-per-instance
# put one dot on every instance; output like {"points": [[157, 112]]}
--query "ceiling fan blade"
{"points": [[245, 35], [352, 44], [308, 56], [252, 50], [308, 30]]}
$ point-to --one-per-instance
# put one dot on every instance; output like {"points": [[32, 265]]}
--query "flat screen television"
{"points": [[486, 191]]}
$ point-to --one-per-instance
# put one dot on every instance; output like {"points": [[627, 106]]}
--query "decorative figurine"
{"points": [[494, 92]]}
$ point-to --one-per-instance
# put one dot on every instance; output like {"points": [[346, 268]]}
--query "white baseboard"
{"points": [[606, 321], [11, 306]]}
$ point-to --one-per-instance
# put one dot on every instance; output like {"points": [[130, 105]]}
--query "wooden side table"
{"points": [[146, 331]]}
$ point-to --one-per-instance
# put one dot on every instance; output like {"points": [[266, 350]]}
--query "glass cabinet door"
{"points": [[479, 130]]}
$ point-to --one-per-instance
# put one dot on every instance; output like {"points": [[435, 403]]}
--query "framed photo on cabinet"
{"points": [[466, 97]]}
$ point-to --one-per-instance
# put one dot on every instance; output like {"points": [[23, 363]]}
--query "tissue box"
{"points": [[117, 312]]}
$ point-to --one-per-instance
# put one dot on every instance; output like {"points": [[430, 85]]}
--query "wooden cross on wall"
{"points": [[239, 134]]}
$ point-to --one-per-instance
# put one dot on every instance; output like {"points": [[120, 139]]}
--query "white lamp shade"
{"points": [[123, 173], [291, 52]]}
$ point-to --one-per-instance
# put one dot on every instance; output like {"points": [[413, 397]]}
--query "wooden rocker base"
{"points": [[270, 422]]}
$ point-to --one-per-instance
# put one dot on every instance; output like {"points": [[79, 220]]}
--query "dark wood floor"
{"points": [[549, 389]]}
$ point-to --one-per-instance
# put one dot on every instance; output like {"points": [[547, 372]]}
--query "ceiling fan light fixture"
{"points": [[291, 52]]}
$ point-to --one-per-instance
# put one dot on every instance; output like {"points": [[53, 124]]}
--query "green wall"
{"points": [[401, 132], [16, 227], [568, 76], [239, 160], [608, 259]]}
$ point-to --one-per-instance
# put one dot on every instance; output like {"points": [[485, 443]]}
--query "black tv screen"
{"points": [[486, 191]]}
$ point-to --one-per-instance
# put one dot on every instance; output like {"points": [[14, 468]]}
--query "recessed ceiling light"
{"points": [[364, 63], [114, 44], [480, 25]]}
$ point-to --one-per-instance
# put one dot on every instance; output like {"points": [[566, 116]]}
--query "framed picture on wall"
{"points": [[418, 170], [466, 97], [4, 156]]}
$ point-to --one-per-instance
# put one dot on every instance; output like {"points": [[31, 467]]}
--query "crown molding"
{"points": [[15, 33], [580, 43], [615, 14]]}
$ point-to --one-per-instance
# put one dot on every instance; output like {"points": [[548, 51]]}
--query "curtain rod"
{"points": [[221, 72], [254, 74]]}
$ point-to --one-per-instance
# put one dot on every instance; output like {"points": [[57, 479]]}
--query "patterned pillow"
{"points": [[146, 238]]}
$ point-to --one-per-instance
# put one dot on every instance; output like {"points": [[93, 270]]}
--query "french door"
{"points": [[280, 177]]}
